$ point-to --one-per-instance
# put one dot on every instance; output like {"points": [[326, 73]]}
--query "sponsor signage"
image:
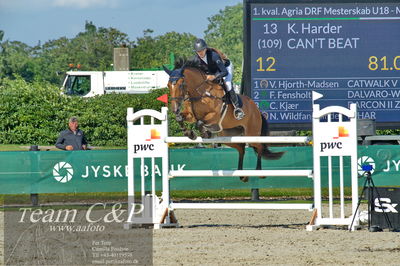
{"points": [[385, 206], [106, 171], [146, 80], [148, 141], [337, 140], [60, 175]]}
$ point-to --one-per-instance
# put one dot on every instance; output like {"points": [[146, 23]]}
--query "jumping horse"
{"points": [[195, 100]]}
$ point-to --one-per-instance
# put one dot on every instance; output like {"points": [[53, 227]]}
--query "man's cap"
{"points": [[73, 119]]}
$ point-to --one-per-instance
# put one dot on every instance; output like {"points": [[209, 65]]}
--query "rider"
{"points": [[218, 68]]}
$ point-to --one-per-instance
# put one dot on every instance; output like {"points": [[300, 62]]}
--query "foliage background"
{"points": [[35, 113], [32, 110]]}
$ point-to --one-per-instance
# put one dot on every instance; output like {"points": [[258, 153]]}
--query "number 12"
{"points": [[270, 63]]}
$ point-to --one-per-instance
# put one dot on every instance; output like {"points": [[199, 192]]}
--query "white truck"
{"points": [[92, 83]]}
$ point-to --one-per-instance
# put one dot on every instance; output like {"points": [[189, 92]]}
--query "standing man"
{"points": [[72, 138], [218, 66]]}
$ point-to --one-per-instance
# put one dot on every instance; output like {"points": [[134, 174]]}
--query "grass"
{"points": [[14, 147], [47, 198], [275, 194]]}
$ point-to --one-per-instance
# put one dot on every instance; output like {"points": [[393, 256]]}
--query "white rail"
{"points": [[243, 206], [341, 134], [266, 139], [230, 173]]}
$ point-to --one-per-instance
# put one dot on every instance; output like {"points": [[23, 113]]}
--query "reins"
{"points": [[186, 91], [206, 94]]}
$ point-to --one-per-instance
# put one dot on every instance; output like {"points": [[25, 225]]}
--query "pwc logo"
{"points": [[154, 134], [342, 133]]}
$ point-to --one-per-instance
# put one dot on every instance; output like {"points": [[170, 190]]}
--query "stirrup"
{"points": [[238, 113]]}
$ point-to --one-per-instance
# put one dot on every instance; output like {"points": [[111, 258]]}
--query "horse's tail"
{"points": [[266, 153], [264, 126]]}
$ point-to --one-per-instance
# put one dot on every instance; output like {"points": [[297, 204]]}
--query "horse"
{"points": [[195, 100]]}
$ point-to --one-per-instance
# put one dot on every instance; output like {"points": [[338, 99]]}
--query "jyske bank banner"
{"points": [[105, 171]]}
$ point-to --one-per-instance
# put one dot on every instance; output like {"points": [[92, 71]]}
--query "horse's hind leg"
{"points": [[240, 147], [241, 151], [258, 148]]}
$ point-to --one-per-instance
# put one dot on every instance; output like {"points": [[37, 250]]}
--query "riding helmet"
{"points": [[199, 45]]}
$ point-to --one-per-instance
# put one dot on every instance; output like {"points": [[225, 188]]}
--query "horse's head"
{"points": [[190, 92], [176, 86]]}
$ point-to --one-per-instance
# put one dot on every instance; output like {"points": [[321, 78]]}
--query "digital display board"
{"points": [[347, 51]]}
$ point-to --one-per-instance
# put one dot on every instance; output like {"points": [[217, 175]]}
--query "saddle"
{"points": [[227, 100]]}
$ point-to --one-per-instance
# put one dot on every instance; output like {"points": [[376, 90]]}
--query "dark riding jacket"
{"points": [[215, 65]]}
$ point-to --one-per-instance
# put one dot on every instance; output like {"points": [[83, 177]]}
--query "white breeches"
{"points": [[228, 78]]}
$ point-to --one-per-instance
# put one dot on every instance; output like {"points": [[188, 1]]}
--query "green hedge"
{"points": [[35, 113]]}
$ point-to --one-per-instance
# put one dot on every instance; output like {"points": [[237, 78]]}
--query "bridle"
{"points": [[183, 89], [184, 92]]}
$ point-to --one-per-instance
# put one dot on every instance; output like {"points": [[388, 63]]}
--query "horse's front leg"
{"points": [[190, 134], [187, 132], [180, 118], [187, 112], [185, 115], [204, 133], [208, 124]]}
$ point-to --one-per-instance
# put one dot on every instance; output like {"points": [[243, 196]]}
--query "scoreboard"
{"points": [[347, 51]]}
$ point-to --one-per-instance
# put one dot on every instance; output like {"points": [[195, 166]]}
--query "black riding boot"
{"points": [[238, 112]]}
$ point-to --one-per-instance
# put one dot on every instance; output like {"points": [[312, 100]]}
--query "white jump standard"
{"points": [[336, 138], [151, 141]]}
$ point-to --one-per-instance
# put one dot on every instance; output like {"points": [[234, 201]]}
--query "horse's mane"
{"points": [[182, 63]]}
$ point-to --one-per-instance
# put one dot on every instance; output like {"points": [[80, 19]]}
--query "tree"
{"points": [[151, 52], [225, 32], [16, 59], [92, 49]]}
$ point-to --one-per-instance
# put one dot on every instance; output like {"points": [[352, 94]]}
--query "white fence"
{"points": [[333, 138]]}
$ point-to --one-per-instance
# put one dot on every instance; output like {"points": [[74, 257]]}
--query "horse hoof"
{"points": [[191, 135], [244, 179], [206, 135], [179, 118]]}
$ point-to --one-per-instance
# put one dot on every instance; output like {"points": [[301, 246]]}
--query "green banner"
{"points": [[62, 171], [105, 171], [227, 159]]}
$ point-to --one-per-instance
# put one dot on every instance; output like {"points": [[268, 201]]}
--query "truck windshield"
{"points": [[77, 85]]}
